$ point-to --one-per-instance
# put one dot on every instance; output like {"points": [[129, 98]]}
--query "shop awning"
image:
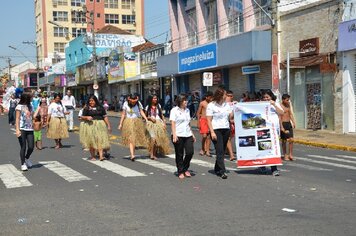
{"points": [[147, 76], [300, 62]]}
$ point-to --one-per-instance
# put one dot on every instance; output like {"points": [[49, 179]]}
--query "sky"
{"points": [[17, 24]]}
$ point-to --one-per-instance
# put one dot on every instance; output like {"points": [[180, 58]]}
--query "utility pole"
{"points": [[9, 63], [274, 39], [92, 22], [37, 62]]}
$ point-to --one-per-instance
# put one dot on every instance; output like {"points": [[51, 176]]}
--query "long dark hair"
{"points": [[218, 94], [180, 99], [149, 102], [26, 100], [270, 93], [97, 103]]}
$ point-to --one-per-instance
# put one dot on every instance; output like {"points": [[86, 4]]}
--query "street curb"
{"points": [[325, 145], [306, 142]]}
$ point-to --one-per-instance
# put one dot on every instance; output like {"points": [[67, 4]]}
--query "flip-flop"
{"points": [[201, 153]]}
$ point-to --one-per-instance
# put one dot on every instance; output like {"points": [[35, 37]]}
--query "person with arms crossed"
{"points": [[203, 124], [287, 125]]}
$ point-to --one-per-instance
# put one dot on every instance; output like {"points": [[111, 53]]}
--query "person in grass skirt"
{"points": [[133, 130], [94, 133], [156, 127], [56, 122]]}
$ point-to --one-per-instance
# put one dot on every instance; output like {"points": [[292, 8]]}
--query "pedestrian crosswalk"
{"points": [[11, 177]]}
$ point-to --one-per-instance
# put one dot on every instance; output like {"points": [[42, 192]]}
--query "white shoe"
{"points": [[28, 163], [24, 167]]}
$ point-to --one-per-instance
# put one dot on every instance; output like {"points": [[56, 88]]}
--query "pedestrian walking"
{"points": [[156, 126], [167, 103], [43, 111], [230, 101], [182, 136], [219, 115], [276, 111], [56, 123], [203, 124], [36, 101], [115, 103], [37, 127], [12, 107], [24, 129], [287, 125], [94, 133], [70, 104], [133, 130]]}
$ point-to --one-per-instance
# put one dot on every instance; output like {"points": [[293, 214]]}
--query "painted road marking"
{"points": [[12, 177], [202, 163], [64, 171], [346, 156], [116, 168], [332, 159], [163, 166], [307, 167], [326, 163]]}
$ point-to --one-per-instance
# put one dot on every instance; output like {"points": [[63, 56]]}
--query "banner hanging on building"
{"points": [[257, 142], [130, 64], [115, 66]]}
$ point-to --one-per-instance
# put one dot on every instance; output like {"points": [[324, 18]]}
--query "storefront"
{"points": [[225, 59], [347, 47], [312, 86]]}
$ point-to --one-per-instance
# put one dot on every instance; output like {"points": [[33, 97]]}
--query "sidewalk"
{"points": [[320, 138]]}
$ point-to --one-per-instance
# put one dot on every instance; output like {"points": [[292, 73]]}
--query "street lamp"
{"points": [[288, 68]]}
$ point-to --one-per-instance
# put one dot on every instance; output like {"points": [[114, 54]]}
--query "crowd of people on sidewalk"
{"points": [[31, 112]]}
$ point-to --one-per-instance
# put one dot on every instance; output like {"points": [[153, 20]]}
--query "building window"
{"points": [[77, 3], [78, 17], [260, 16], [60, 16], [76, 32], [127, 4], [235, 17], [112, 4], [111, 18], [60, 32], [192, 27], [59, 47], [212, 20], [60, 2], [128, 19]]}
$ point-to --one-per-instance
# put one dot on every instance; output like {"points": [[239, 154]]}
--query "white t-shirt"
{"points": [[26, 116], [220, 114], [182, 120], [69, 101], [132, 112], [56, 110], [154, 114]]}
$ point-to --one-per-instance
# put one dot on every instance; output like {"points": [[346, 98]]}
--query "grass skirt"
{"points": [[159, 137], [134, 131], [94, 134], [57, 128]]}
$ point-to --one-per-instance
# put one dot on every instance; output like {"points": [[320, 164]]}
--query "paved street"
{"points": [[65, 194]]}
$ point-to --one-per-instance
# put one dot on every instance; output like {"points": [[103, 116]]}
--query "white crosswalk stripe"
{"points": [[12, 177], [332, 159], [346, 156], [116, 168], [327, 163], [64, 171], [202, 163], [163, 166], [307, 167]]}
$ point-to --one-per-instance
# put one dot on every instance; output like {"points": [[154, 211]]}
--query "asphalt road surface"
{"points": [[65, 194]]}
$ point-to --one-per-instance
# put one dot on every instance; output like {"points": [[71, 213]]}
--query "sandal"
{"points": [[201, 153], [93, 159], [132, 158], [153, 158]]}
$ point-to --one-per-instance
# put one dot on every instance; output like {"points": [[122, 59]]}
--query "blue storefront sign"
{"points": [[197, 58], [247, 70], [347, 35]]}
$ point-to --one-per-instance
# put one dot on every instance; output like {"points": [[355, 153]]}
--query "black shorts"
{"points": [[287, 126]]}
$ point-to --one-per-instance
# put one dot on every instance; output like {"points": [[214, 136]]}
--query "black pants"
{"points": [[184, 144], [11, 116], [222, 136], [26, 140]]}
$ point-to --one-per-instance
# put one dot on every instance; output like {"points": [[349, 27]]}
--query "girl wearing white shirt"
{"points": [[182, 136], [156, 126], [56, 122], [219, 114], [134, 132]]}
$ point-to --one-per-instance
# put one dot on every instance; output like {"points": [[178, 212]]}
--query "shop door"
{"points": [[314, 106]]}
